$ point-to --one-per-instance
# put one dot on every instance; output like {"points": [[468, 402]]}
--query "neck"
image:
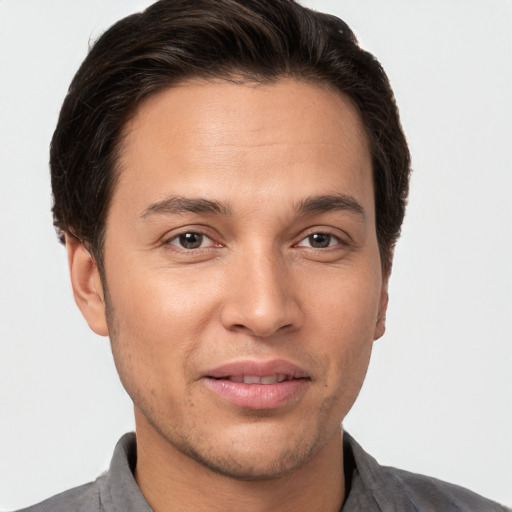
{"points": [[171, 480]]}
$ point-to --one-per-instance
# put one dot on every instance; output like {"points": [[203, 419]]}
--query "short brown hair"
{"points": [[175, 40]]}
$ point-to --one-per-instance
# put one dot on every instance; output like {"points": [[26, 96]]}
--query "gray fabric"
{"points": [[373, 488], [114, 491], [377, 488]]}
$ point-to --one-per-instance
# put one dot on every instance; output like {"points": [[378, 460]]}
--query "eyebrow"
{"points": [[326, 203], [175, 205]]}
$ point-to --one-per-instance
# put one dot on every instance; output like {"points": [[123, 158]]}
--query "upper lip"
{"points": [[257, 369]]}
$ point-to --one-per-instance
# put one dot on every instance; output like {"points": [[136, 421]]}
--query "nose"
{"points": [[262, 297]]}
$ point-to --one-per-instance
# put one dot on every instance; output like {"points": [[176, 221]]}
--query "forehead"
{"points": [[221, 108], [217, 138]]}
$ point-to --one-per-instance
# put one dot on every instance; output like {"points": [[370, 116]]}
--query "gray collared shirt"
{"points": [[372, 488]]}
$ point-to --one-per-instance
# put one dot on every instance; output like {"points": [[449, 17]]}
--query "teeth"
{"points": [[254, 379], [249, 379]]}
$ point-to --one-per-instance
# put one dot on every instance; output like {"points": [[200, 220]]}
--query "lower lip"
{"points": [[258, 396]]}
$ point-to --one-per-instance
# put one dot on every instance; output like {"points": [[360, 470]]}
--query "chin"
{"points": [[250, 465], [255, 452]]}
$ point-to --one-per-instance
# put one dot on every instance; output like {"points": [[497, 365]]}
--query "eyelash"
{"points": [[169, 242], [340, 242]]}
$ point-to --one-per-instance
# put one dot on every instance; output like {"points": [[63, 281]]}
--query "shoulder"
{"points": [[428, 493], [85, 498], [115, 490], [386, 488]]}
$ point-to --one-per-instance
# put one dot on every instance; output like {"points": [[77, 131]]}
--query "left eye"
{"points": [[190, 240], [319, 241]]}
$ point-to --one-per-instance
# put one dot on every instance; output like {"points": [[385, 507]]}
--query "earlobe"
{"points": [[86, 284], [380, 326]]}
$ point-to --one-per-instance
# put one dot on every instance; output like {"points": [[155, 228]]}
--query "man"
{"points": [[230, 180]]}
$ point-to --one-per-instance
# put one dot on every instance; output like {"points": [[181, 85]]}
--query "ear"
{"points": [[86, 284], [380, 326]]}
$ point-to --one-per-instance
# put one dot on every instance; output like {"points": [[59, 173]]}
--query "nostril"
{"points": [[260, 315]]}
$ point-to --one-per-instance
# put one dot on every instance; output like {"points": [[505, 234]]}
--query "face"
{"points": [[243, 272]]}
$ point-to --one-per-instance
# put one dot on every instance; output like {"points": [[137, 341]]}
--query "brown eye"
{"points": [[320, 240], [189, 240]]}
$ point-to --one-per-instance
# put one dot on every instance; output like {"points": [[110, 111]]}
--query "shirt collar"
{"points": [[371, 488], [119, 491]]}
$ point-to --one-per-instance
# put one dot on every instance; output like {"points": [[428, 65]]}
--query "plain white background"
{"points": [[438, 395]]}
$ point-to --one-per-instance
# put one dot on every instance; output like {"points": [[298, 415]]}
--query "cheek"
{"points": [[346, 304], [162, 301], [343, 325], [156, 323]]}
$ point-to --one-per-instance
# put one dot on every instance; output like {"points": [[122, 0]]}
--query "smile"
{"points": [[255, 379], [258, 385]]}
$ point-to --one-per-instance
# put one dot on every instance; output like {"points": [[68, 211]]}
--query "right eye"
{"points": [[320, 240], [190, 240]]}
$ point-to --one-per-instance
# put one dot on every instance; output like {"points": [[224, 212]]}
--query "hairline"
{"points": [[235, 77]]}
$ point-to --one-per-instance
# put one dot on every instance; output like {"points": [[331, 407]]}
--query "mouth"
{"points": [[258, 385], [256, 379]]}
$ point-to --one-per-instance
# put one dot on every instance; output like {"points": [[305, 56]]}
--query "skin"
{"points": [[256, 288]]}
